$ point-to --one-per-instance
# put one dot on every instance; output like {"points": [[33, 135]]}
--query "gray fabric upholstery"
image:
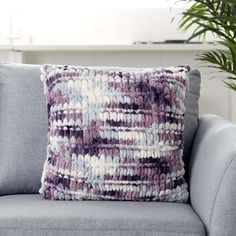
{"points": [[192, 111], [23, 126], [23, 215], [213, 175]]}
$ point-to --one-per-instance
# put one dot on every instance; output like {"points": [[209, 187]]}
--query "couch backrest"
{"points": [[23, 126], [192, 113]]}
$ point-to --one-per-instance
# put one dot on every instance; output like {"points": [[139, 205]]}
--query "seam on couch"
{"points": [[115, 229], [218, 189], [101, 230]]}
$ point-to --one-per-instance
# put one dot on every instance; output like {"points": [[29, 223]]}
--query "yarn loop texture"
{"points": [[115, 133]]}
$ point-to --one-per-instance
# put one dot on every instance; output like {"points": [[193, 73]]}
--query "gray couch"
{"points": [[210, 151]]}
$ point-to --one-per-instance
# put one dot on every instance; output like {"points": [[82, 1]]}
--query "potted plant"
{"points": [[219, 18]]}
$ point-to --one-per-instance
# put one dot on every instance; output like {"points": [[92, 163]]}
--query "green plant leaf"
{"points": [[219, 18], [198, 33]]}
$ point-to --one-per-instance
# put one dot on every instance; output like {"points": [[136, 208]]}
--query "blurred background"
{"points": [[89, 22], [130, 33]]}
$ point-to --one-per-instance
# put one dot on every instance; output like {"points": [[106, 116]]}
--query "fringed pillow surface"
{"points": [[115, 133]]}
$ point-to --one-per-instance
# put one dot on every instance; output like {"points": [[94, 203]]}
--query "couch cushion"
{"points": [[191, 115], [23, 126], [34, 216]]}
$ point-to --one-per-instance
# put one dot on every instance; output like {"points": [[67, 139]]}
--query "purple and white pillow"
{"points": [[115, 133]]}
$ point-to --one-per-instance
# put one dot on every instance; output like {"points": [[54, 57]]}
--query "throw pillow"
{"points": [[115, 133]]}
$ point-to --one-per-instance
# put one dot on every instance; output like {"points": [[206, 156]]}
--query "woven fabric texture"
{"points": [[115, 133]]}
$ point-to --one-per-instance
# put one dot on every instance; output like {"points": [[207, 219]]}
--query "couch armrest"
{"points": [[212, 173]]}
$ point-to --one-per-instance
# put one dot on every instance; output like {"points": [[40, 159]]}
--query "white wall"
{"points": [[72, 24], [104, 26]]}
